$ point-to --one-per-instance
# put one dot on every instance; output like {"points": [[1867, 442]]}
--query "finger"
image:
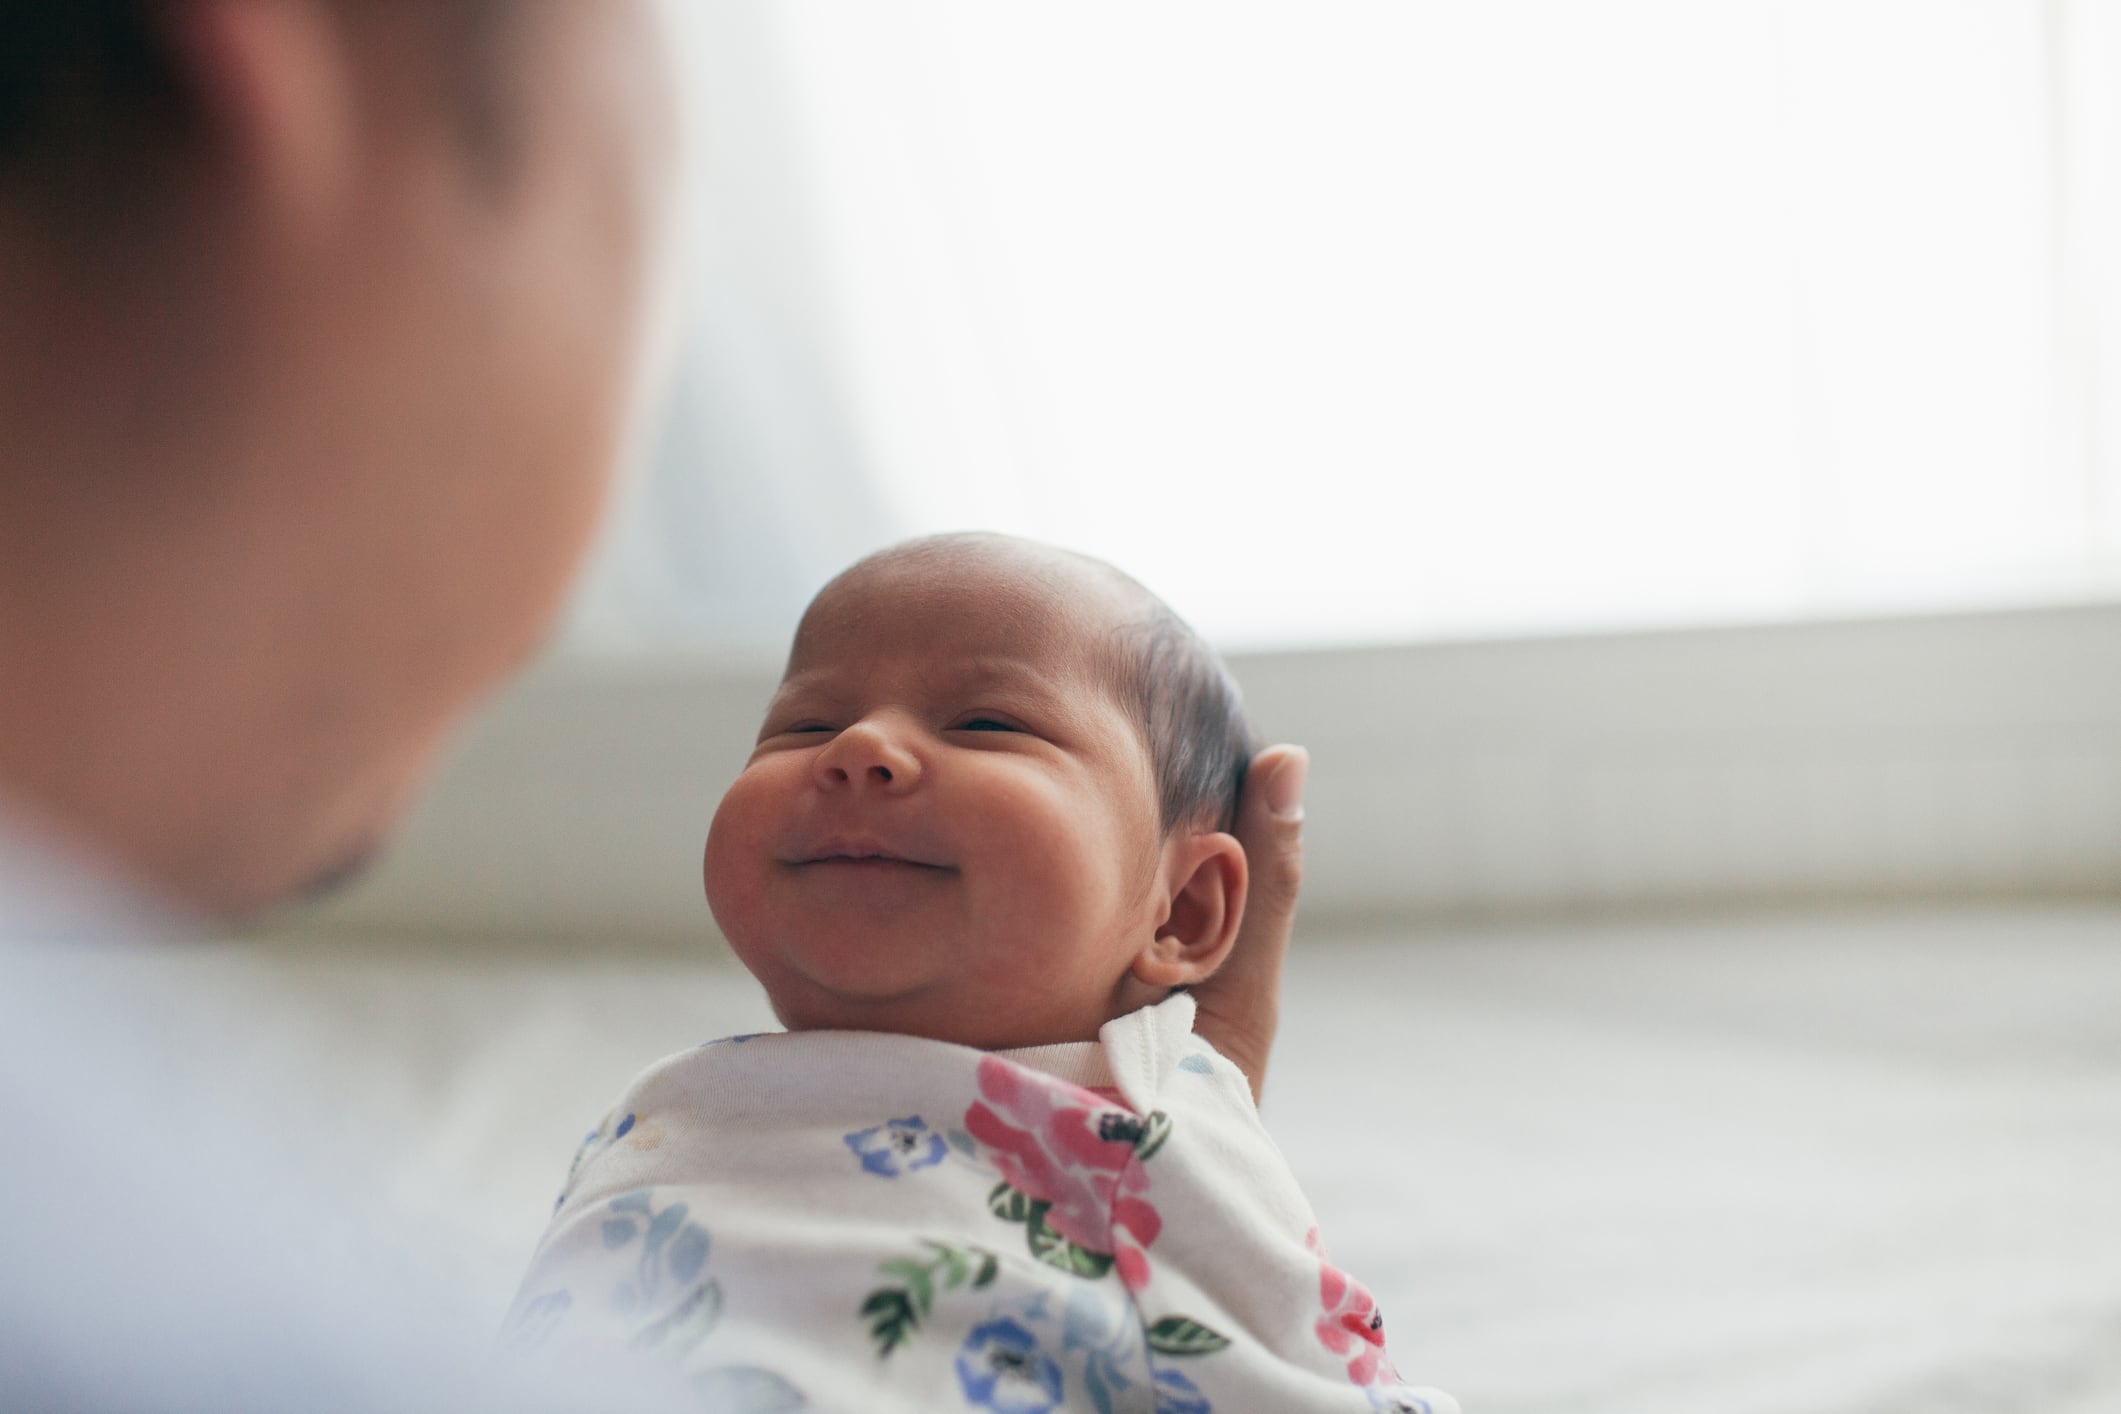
{"points": [[1240, 1007], [1270, 826]]}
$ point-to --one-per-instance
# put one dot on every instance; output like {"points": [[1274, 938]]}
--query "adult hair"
{"points": [[80, 79], [91, 99]]}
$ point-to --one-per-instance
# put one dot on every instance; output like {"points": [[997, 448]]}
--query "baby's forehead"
{"points": [[979, 605]]}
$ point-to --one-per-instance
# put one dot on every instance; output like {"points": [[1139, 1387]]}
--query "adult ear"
{"points": [[274, 90], [1206, 877]]}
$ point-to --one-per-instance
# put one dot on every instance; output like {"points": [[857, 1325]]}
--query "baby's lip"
{"points": [[857, 849]]}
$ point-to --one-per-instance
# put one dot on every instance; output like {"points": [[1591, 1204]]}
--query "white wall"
{"points": [[1933, 757]]}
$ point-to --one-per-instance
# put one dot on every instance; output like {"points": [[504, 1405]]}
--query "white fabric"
{"points": [[1853, 1162], [168, 1241], [878, 1222], [54, 894]]}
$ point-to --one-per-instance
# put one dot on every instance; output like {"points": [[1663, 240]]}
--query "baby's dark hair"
{"points": [[1189, 711], [1179, 695]]}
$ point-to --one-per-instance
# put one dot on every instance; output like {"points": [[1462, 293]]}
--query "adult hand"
{"points": [[1239, 1008]]}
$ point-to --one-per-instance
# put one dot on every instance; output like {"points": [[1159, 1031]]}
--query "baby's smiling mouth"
{"points": [[861, 854]]}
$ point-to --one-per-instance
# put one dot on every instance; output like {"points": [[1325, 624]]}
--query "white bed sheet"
{"points": [[1862, 1163]]}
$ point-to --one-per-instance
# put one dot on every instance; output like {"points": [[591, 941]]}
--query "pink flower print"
{"points": [[1060, 1145], [1351, 1326]]}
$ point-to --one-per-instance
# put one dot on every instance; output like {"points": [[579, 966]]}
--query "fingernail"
{"points": [[1285, 788]]}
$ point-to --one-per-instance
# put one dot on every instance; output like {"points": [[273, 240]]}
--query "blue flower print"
{"points": [[897, 1146], [732, 1040], [671, 1247], [1175, 1394], [537, 1318], [1397, 1399], [594, 1142], [1001, 1368]]}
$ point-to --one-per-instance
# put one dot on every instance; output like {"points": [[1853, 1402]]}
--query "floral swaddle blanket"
{"points": [[858, 1221]]}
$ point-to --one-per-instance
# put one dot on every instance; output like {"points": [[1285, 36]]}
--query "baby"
{"points": [[978, 854]]}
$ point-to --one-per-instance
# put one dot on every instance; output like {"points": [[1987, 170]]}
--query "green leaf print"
{"points": [[1008, 1204], [955, 1267], [892, 1318], [895, 1312], [1057, 1251], [917, 1280], [1182, 1335], [1156, 1128]]}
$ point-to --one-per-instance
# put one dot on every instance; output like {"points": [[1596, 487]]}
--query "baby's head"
{"points": [[990, 803]]}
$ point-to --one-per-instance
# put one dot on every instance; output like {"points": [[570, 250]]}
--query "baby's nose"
{"points": [[871, 753]]}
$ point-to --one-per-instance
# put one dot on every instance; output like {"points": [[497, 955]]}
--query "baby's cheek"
{"points": [[1057, 866], [737, 857]]}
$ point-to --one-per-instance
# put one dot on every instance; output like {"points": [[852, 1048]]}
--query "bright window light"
{"points": [[1379, 321]]}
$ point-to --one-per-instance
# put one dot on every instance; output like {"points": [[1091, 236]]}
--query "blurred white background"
{"points": [[1652, 452], [1369, 320], [1706, 993]]}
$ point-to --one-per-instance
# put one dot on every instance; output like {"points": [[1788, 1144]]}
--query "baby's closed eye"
{"points": [[807, 726], [987, 724]]}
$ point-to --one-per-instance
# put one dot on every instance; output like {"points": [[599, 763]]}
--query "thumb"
{"points": [[1271, 827], [1239, 1008]]}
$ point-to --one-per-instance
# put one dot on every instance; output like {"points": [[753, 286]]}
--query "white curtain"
{"points": [[1344, 321]]}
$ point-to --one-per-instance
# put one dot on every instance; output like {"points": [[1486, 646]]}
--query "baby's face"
{"points": [[949, 826]]}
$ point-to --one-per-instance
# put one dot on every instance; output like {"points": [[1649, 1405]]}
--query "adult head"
{"points": [[317, 329]]}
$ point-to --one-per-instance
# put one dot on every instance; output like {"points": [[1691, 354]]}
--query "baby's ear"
{"points": [[1205, 876]]}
